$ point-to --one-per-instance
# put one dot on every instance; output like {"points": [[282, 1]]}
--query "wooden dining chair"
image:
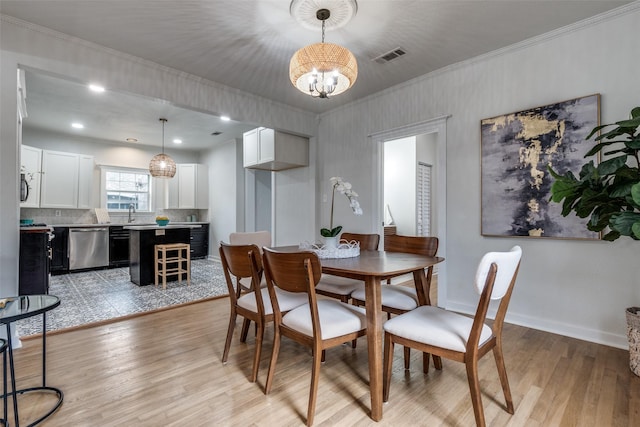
{"points": [[457, 337], [398, 299], [320, 324], [342, 287], [258, 238], [244, 262]]}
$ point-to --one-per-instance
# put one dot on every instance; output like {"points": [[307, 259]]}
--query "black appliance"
{"points": [[35, 258], [118, 246]]}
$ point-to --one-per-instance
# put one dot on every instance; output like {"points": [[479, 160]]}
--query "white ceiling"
{"points": [[247, 44]]}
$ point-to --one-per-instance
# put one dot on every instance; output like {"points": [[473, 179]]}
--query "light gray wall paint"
{"points": [[223, 188], [576, 288]]}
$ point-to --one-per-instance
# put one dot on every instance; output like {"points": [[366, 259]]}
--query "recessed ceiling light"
{"points": [[131, 140], [77, 125], [225, 118], [96, 88], [177, 141]]}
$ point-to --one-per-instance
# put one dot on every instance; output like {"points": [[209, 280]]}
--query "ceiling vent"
{"points": [[389, 56], [216, 133]]}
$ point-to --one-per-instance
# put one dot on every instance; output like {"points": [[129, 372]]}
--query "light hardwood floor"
{"points": [[165, 369]]}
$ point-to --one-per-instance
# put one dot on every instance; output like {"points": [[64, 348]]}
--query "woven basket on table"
{"points": [[633, 333]]}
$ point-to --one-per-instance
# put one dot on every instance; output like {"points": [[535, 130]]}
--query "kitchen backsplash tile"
{"points": [[84, 216]]}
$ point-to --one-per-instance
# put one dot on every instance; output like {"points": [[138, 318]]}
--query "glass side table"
{"points": [[21, 307]]}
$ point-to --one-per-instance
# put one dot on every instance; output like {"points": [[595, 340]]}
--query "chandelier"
{"points": [[323, 69], [161, 165]]}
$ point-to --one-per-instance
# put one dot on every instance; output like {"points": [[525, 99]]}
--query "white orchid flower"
{"points": [[345, 188]]}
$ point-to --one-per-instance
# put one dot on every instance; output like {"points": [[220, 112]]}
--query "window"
{"points": [[125, 187]]}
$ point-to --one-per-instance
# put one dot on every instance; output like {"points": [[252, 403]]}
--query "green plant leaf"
{"points": [[325, 232], [635, 193], [623, 222], [635, 228], [610, 166]]}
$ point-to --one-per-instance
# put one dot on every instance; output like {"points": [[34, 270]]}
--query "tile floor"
{"points": [[98, 295]]}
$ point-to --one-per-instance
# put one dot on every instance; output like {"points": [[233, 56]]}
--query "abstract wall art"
{"points": [[516, 185]]}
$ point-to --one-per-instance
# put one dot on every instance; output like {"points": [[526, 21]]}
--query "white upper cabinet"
{"points": [[86, 166], [67, 180], [31, 166], [268, 149], [189, 188]]}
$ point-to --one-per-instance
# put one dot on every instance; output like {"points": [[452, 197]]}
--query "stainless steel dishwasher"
{"points": [[88, 247]]}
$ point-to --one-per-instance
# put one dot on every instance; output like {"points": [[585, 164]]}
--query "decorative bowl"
{"points": [[162, 222]]}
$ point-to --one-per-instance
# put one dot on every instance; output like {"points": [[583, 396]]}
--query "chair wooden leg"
{"points": [[258, 351], [227, 343], [387, 366], [313, 391], [245, 330], [425, 362], [407, 358], [274, 359], [324, 356], [437, 362], [502, 372], [474, 389]]}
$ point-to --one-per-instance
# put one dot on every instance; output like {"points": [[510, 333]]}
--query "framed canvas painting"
{"points": [[516, 185]]}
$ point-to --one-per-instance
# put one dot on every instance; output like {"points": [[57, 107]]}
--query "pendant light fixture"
{"points": [[161, 165], [323, 69]]}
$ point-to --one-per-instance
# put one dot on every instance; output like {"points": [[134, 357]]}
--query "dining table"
{"points": [[374, 267]]}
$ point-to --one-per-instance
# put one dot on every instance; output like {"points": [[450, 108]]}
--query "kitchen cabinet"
{"points": [[269, 149], [31, 166], [189, 188], [200, 242], [34, 262], [60, 250], [141, 245], [85, 181], [66, 180]]}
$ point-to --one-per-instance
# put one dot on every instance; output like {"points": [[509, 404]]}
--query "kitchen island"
{"points": [[143, 238]]}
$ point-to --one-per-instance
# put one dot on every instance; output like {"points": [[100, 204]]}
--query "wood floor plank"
{"points": [[165, 369]]}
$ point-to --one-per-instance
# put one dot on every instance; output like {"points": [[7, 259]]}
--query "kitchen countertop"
{"points": [[36, 229], [125, 224], [142, 227]]}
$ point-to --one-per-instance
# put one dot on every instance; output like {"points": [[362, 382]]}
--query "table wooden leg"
{"points": [[373, 305]]}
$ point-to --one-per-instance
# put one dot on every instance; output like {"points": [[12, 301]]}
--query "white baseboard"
{"points": [[573, 331]]}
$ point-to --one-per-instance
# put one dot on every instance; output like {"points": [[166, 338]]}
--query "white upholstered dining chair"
{"points": [[319, 324], [457, 337]]}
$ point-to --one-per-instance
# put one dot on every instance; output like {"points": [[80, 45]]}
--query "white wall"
{"points": [[576, 288], [399, 183], [222, 161]]}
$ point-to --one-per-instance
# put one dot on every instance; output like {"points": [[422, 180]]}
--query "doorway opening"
{"points": [[427, 142]]}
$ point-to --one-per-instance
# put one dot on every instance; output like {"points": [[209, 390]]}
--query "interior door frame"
{"points": [[438, 126]]}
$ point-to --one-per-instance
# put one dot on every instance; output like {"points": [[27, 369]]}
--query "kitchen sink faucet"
{"points": [[132, 210]]}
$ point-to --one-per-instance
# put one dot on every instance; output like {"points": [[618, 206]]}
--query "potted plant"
{"points": [[609, 195], [338, 184]]}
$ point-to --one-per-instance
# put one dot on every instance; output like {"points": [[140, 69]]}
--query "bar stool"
{"points": [[171, 259]]}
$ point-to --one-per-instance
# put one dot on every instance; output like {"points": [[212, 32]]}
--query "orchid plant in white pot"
{"points": [[343, 187]]}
